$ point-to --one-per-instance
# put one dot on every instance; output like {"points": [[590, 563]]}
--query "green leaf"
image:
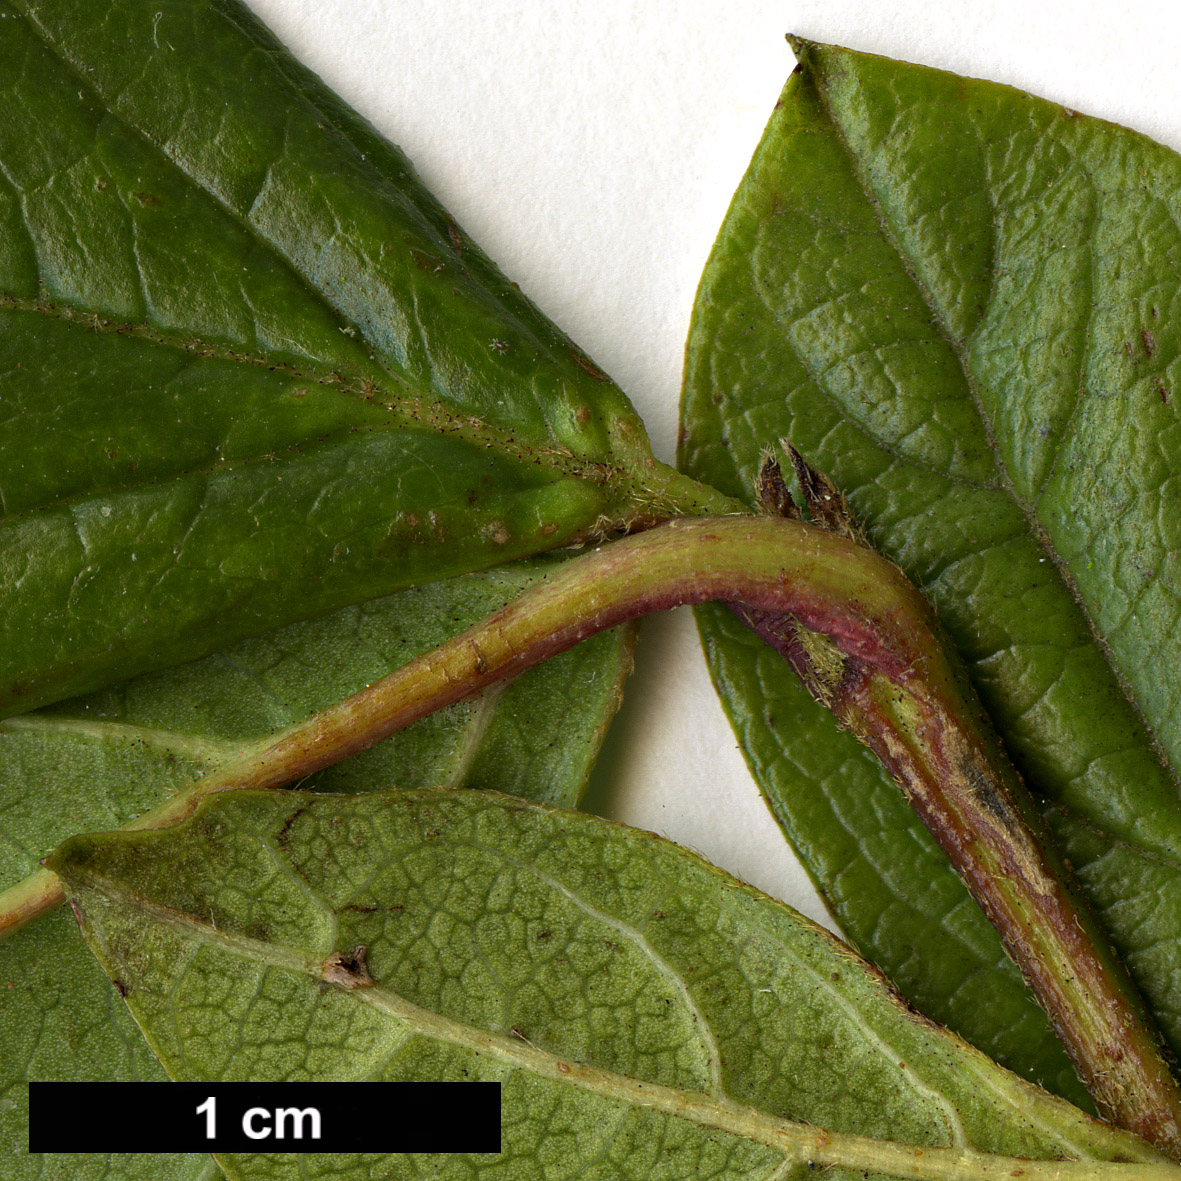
{"points": [[96, 762], [956, 300], [646, 1014], [251, 371], [62, 1020]]}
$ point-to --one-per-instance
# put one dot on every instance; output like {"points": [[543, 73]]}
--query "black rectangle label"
{"points": [[264, 1117]]}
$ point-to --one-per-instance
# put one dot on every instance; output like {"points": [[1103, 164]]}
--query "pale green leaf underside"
{"points": [[96, 762], [249, 370], [505, 939], [60, 1019], [93, 763], [958, 301]]}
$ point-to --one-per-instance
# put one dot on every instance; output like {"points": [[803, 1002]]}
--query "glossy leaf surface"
{"points": [[957, 301], [250, 370], [570, 958]]}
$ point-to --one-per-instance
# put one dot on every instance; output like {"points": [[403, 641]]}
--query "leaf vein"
{"points": [[202, 749], [83, 77], [1037, 531], [636, 937]]}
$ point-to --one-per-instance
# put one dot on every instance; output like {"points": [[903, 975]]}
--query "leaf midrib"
{"points": [[80, 75], [420, 410], [318, 295], [1036, 529], [635, 500], [407, 412], [800, 1143]]}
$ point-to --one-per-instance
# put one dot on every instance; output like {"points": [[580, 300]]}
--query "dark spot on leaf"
{"points": [[281, 837], [1149, 341], [425, 261], [588, 366], [348, 969], [147, 199]]}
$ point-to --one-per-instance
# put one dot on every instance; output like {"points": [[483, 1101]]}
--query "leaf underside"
{"points": [[251, 372], [959, 301], [60, 1018], [93, 763], [504, 939]]}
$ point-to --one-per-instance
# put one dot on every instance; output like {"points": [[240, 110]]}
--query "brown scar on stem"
{"points": [[481, 659], [348, 969], [771, 490], [818, 662]]}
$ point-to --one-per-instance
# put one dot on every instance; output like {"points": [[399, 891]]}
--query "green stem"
{"points": [[967, 794], [865, 641]]}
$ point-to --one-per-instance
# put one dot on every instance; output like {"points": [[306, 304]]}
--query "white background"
{"points": [[591, 148]]}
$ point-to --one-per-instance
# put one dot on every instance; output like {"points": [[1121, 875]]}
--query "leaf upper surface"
{"points": [[506, 941], [249, 370], [958, 301]]}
